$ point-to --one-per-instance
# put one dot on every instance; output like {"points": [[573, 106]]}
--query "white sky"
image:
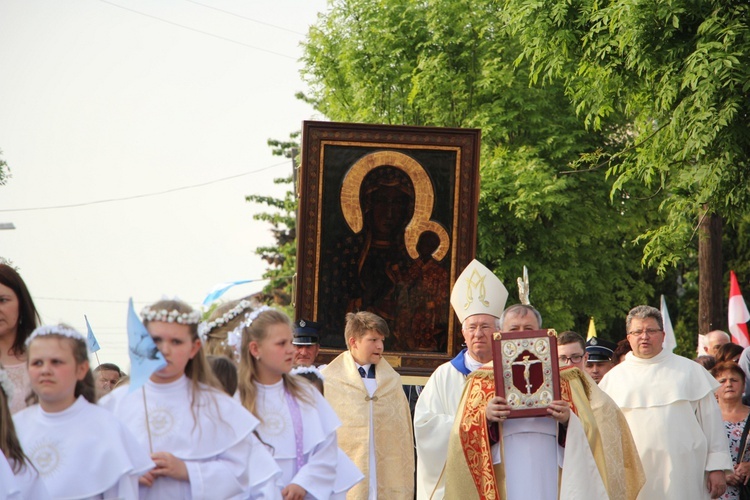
{"points": [[99, 102]]}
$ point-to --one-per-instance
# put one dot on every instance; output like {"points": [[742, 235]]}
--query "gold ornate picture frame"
{"points": [[386, 222], [526, 370]]}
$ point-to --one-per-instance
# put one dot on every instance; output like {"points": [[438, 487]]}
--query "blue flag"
{"points": [[145, 358], [218, 290], [90, 339]]}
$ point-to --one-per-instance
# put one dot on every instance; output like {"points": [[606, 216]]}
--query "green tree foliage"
{"points": [[4, 171], [282, 257], [454, 63], [679, 72]]}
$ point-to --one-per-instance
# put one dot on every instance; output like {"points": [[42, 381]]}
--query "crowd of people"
{"points": [[241, 411]]}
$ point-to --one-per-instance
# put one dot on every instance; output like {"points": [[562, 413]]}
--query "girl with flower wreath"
{"points": [[296, 421], [222, 331], [201, 440], [78, 449]]}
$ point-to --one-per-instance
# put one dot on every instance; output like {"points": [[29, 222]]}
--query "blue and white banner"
{"points": [[145, 358]]}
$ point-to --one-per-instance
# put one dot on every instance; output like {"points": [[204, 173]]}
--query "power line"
{"points": [[246, 18], [146, 195], [105, 301], [199, 31]]}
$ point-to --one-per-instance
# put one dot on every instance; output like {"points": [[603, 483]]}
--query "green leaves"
{"points": [[679, 67], [4, 171], [606, 127]]}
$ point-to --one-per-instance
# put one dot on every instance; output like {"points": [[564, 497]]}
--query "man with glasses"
{"points": [[571, 350], [670, 406]]}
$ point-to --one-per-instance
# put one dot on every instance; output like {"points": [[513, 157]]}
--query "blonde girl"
{"points": [[296, 422], [200, 439], [78, 449]]}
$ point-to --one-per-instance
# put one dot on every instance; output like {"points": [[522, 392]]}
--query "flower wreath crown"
{"points": [[207, 326], [55, 330], [307, 369], [172, 316]]}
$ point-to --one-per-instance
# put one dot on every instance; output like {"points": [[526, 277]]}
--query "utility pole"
{"points": [[711, 314]]}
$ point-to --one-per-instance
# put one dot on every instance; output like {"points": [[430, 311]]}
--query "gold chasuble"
{"points": [[394, 440], [470, 472]]}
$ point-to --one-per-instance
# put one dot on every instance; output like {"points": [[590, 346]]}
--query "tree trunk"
{"points": [[710, 305]]}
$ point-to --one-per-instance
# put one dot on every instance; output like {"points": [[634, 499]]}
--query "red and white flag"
{"points": [[738, 313]]}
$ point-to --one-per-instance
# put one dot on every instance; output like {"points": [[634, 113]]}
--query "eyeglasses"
{"points": [[575, 358], [479, 328], [646, 331]]}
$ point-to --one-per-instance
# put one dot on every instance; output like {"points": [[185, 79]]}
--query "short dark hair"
{"points": [[571, 337], [706, 361], [728, 366], [623, 347], [110, 367]]}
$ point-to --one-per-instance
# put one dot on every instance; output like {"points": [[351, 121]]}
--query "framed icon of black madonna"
{"points": [[387, 221]]}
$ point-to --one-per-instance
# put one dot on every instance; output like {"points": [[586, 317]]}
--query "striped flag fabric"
{"points": [[738, 313]]}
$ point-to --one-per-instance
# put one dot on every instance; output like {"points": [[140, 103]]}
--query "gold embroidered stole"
{"points": [[618, 461], [394, 439], [469, 472]]}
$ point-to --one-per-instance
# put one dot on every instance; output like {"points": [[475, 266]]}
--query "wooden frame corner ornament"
{"points": [[526, 370]]}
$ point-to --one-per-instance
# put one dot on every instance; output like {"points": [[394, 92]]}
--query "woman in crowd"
{"points": [[622, 349], [734, 413], [200, 439], [18, 318]]}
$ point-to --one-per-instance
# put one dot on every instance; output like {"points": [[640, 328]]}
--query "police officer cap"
{"points": [[306, 332], [599, 350]]}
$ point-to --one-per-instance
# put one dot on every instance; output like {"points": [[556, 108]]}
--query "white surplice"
{"points": [[319, 446], [10, 489], [82, 451], [531, 444], [676, 423], [434, 415], [224, 459], [25, 483]]}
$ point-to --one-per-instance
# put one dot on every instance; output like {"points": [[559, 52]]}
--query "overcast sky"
{"points": [[103, 100]]}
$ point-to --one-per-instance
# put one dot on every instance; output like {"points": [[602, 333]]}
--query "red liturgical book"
{"points": [[526, 371]]}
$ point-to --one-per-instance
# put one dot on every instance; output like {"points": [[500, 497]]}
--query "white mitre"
{"points": [[478, 291]]}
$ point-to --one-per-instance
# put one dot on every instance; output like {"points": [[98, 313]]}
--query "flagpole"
{"points": [[98, 363], [148, 423]]}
